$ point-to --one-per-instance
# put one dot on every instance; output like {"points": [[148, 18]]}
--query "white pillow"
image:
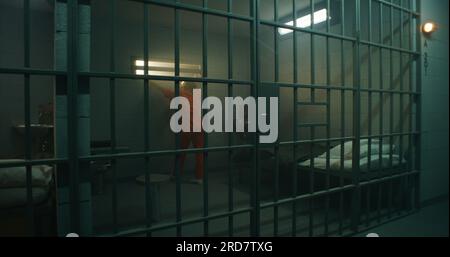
{"points": [[41, 176]]}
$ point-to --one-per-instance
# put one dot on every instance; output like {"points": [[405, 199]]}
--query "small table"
{"points": [[155, 181]]}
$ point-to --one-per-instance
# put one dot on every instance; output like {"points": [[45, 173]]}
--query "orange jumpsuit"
{"points": [[186, 138]]}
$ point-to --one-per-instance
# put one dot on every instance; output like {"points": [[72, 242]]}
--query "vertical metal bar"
{"points": [[72, 92], [177, 137], [255, 218], [276, 79], [328, 126], [401, 116], [418, 148], [205, 94], [295, 128], [369, 157], [380, 154], [27, 109], [277, 190], [391, 107], [311, 184], [313, 63], [112, 102], [356, 198], [311, 149], [411, 103], [230, 135], [148, 203], [343, 127]]}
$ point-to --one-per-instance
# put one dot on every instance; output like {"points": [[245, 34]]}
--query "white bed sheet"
{"points": [[335, 163]]}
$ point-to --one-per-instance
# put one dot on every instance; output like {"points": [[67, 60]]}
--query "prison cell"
{"points": [[348, 153]]}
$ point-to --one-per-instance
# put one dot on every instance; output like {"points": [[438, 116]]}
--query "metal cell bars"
{"points": [[147, 154], [409, 171], [72, 75], [62, 162], [372, 186]]}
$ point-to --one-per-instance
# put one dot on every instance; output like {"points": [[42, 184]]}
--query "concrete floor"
{"points": [[430, 221], [131, 209]]}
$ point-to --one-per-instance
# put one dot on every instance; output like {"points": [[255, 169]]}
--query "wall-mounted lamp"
{"points": [[429, 27], [162, 68]]}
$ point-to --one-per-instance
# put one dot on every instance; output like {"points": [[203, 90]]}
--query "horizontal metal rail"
{"points": [[162, 78], [32, 162], [143, 230], [336, 190], [336, 87], [398, 7], [31, 71], [199, 9]]}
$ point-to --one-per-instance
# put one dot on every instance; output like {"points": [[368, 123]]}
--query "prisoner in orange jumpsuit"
{"points": [[186, 138]]}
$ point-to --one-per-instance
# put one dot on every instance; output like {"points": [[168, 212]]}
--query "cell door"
{"points": [[85, 84]]}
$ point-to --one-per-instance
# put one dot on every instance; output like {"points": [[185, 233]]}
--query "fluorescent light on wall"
{"points": [[155, 64], [139, 63], [167, 73], [305, 21], [159, 68]]}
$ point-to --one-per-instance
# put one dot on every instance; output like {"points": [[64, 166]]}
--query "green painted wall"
{"points": [[435, 104]]}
